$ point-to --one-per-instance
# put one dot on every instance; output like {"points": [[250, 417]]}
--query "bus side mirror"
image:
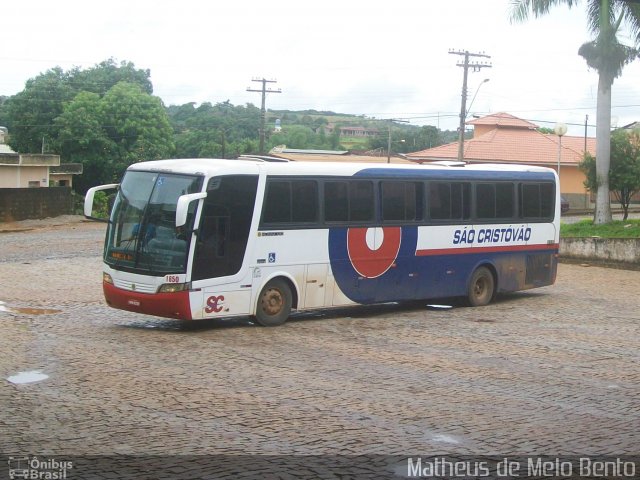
{"points": [[182, 208], [89, 200]]}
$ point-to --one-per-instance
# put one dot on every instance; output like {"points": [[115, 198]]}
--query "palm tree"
{"points": [[608, 57]]}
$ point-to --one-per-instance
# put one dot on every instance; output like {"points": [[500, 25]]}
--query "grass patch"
{"points": [[615, 229]]}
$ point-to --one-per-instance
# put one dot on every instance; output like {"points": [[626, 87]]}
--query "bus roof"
{"points": [[211, 167]]}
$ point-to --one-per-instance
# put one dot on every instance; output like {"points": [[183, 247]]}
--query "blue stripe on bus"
{"points": [[417, 275]]}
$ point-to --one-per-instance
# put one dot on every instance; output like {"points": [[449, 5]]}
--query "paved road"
{"points": [[555, 370]]}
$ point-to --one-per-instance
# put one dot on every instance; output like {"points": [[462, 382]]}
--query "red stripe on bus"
{"points": [[496, 249]]}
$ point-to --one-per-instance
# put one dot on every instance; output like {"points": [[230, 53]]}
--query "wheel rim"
{"points": [[480, 288], [272, 301]]}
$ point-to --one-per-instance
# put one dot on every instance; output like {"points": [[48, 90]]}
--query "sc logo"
{"points": [[215, 304]]}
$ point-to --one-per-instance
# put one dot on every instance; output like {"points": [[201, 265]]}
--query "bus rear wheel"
{"points": [[481, 287], [274, 304]]}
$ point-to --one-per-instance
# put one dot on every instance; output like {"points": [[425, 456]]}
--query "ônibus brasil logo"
{"points": [[35, 468]]}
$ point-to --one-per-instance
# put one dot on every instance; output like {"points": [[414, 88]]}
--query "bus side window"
{"points": [[401, 200], [449, 201], [361, 205], [348, 201], [494, 200], [336, 201], [537, 200], [290, 202]]}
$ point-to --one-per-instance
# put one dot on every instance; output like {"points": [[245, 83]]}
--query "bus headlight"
{"points": [[106, 278], [174, 287]]}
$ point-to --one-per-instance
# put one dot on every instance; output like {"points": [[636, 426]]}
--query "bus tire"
{"points": [[481, 287], [274, 303]]}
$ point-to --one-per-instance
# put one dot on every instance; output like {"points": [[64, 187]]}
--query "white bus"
{"points": [[205, 238]]}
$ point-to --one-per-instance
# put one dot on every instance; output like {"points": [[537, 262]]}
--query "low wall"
{"points": [[605, 250], [34, 203]]}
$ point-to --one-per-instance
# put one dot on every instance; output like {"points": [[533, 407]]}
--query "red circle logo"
{"points": [[372, 251]]}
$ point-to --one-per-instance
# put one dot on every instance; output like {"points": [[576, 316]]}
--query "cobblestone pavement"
{"points": [[548, 371]]}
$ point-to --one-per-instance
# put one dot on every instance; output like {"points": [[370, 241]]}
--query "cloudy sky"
{"points": [[387, 59]]}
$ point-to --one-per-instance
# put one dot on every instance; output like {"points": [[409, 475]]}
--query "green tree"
{"points": [[213, 130], [405, 139], [3, 110], [31, 112], [606, 55], [107, 134], [137, 122], [105, 75], [624, 175]]}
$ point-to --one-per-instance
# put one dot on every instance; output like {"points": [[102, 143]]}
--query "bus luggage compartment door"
{"points": [[315, 285]]}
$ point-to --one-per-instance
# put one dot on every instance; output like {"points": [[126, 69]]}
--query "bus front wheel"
{"points": [[481, 287], [274, 304]]}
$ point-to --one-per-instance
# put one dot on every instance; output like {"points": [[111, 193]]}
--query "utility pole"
{"points": [[477, 66], [263, 111], [391, 120]]}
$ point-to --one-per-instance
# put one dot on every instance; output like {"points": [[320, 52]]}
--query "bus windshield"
{"points": [[142, 237]]}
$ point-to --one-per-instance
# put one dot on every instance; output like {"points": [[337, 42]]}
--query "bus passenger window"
{"points": [[494, 200], [304, 201], [290, 201], [350, 201], [336, 202], [401, 201], [505, 200], [449, 201], [277, 203], [360, 201], [537, 200]]}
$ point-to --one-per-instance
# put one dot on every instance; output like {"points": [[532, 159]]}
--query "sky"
{"points": [[385, 59]]}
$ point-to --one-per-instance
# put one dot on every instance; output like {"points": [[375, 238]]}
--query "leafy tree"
{"points": [[105, 75], [3, 110], [32, 112], [137, 122], [624, 175], [334, 138], [213, 130], [606, 55], [109, 133], [407, 139]]}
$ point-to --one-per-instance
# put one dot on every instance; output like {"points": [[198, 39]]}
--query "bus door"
{"points": [[221, 244]]}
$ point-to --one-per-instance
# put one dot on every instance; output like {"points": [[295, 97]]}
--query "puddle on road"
{"points": [[439, 307], [27, 311], [28, 377], [441, 438]]}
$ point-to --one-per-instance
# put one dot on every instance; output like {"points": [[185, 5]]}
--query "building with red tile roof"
{"points": [[503, 138]]}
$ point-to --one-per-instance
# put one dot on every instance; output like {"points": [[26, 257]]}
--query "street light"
{"points": [[560, 129], [391, 120], [474, 95], [464, 112]]}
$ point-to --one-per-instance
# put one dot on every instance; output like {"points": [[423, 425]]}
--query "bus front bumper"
{"points": [[168, 305]]}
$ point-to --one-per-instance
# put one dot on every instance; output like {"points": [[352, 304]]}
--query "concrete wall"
{"points": [[32, 203], [20, 177], [617, 250]]}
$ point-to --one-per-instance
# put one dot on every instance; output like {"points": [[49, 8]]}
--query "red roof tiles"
{"points": [[510, 140]]}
